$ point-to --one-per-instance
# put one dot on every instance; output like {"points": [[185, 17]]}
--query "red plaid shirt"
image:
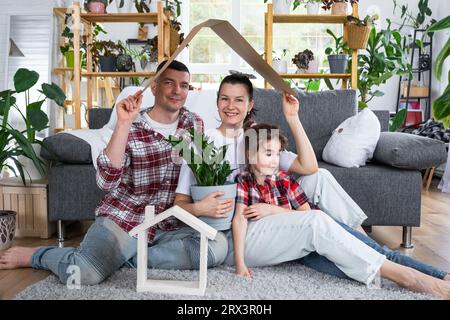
{"points": [[279, 189], [148, 175]]}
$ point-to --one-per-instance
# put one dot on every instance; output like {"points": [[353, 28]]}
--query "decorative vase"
{"points": [[174, 40], [70, 58], [229, 190], [312, 8], [282, 6], [142, 33], [338, 63], [28, 165], [279, 66], [7, 228], [340, 8], [96, 7], [107, 64], [124, 63]]}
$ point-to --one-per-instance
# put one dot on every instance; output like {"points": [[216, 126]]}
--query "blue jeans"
{"points": [[106, 248], [322, 264]]}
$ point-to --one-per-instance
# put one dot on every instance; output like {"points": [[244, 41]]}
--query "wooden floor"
{"points": [[431, 240]]}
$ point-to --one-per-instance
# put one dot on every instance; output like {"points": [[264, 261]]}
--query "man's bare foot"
{"points": [[428, 284], [17, 257]]}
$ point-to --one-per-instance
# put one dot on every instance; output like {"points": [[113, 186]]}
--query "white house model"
{"points": [[171, 286]]}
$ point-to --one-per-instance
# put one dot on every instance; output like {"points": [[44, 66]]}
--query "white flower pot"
{"points": [[7, 228], [279, 66], [312, 8], [29, 166], [128, 6], [229, 190], [313, 67], [282, 6]]}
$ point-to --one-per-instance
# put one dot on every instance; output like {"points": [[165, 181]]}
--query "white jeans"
{"points": [[323, 189], [285, 237], [290, 236]]}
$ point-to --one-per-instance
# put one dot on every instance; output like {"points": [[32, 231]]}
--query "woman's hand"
{"points": [[128, 108], [290, 105], [214, 208], [258, 211], [243, 271]]}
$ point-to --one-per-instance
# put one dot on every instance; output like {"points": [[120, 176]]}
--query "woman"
{"points": [[235, 104]]}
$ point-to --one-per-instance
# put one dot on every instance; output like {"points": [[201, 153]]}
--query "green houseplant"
{"points": [[441, 106], [338, 55], [104, 54], [15, 143], [209, 168]]}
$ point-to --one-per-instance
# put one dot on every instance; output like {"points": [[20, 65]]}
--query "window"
{"points": [[210, 59]]}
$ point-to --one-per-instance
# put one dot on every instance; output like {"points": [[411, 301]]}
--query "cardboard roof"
{"points": [[238, 43]]}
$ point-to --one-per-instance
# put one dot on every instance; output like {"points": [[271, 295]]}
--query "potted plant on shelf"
{"points": [[176, 36], [305, 62], [67, 49], [124, 61], [96, 6], [104, 54], [284, 6], [312, 6], [338, 7], [278, 62], [210, 170], [337, 56], [21, 147], [357, 31]]}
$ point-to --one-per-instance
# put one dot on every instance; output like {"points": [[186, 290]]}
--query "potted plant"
{"points": [[67, 49], [124, 61], [104, 55], [338, 7], [284, 6], [97, 6], [278, 64], [176, 36], [337, 56], [210, 170], [305, 62], [22, 147], [357, 31], [312, 6]]}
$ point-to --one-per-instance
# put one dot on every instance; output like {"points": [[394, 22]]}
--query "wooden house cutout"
{"points": [[171, 286]]}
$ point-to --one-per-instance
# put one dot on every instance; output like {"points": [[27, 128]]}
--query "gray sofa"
{"points": [[388, 188]]}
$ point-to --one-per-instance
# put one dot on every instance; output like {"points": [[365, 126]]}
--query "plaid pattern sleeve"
{"points": [[295, 194], [108, 177], [242, 190]]}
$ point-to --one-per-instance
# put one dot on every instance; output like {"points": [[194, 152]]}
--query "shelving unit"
{"points": [[271, 19], [161, 18]]}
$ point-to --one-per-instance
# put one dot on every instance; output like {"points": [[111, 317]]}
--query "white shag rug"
{"points": [[288, 281]]}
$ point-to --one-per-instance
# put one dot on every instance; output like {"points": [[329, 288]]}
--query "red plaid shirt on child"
{"points": [[279, 189], [148, 175]]}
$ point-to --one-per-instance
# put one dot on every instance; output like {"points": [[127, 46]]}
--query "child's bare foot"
{"points": [[16, 257]]}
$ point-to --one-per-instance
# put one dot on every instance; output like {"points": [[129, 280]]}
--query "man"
{"points": [[136, 169]]}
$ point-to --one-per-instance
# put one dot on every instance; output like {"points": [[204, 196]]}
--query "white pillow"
{"points": [[353, 141]]}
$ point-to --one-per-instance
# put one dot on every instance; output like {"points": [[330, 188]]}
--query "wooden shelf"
{"points": [[309, 18], [151, 17], [315, 75], [118, 74], [62, 70]]}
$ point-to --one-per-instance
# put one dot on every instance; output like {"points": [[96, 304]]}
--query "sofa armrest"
{"points": [[67, 148], [408, 151]]}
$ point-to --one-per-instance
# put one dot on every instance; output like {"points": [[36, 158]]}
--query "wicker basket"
{"points": [[357, 36]]}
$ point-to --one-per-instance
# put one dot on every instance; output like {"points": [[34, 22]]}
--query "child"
{"points": [[263, 189]]}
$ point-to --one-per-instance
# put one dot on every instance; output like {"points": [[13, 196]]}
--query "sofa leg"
{"points": [[407, 236], [61, 233]]}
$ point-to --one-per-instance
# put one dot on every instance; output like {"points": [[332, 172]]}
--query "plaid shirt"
{"points": [[279, 189], [148, 175]]}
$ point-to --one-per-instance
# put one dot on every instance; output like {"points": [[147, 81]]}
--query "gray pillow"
{"points": [[408, 151], [66, 148]]}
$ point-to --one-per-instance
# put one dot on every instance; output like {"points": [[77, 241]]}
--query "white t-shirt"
{"points": [[235, 155], [162, 128]]}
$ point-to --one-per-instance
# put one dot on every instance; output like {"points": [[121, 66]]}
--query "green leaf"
{"points": [[377, 93], [443, 54], [54, 92], [446, 122], [25, 79], [362, 105], [38, 119], [4, 106], [5, 93], [440, 25], [398, 120], [441, 106]]}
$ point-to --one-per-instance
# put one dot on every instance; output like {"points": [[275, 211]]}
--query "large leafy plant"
{"points": [[14, 143], [441, 106], [204, 159]]}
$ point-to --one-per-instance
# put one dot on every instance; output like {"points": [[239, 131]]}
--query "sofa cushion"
{"points": [[66, 148], [408, 151]]}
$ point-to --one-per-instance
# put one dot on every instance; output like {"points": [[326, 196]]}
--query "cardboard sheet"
{"points": [[238, 43]]}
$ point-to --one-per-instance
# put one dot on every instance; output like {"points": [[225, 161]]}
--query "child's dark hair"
{"points": [[263, 130], [245, 81], [175, 65]]}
